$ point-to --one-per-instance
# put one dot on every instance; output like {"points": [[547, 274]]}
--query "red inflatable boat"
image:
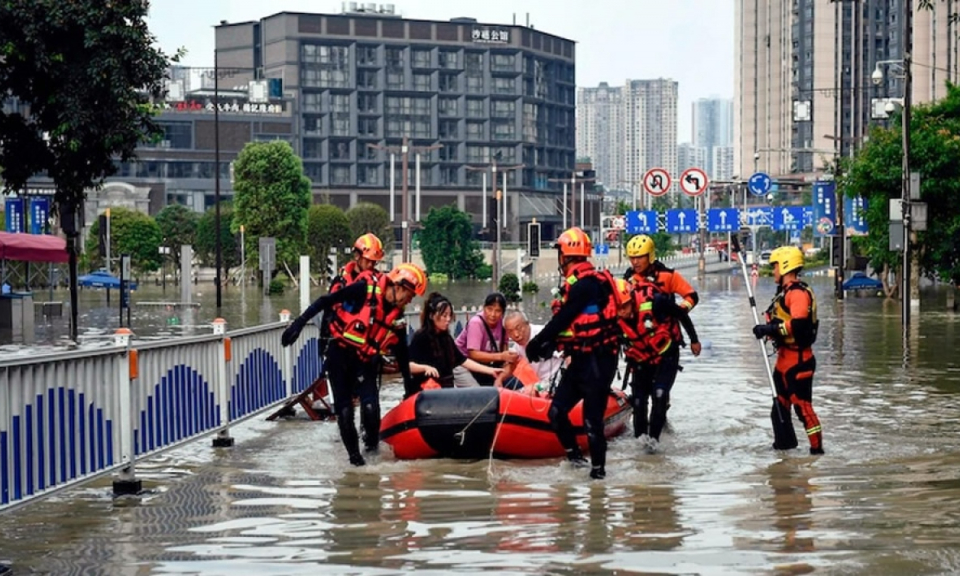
{"points": [[466, 422]]}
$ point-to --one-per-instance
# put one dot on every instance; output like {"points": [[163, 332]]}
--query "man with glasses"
{"points": [[520, 332]]}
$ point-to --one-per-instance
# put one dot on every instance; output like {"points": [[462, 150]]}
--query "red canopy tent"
{"points": [[32, 247]]}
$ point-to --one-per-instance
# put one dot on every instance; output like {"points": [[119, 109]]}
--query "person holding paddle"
{"points": [[792, 327]]}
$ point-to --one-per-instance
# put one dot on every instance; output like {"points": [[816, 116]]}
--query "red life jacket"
{"points": [[370, 329], [596, 326], [645, 338], [656, 275]]}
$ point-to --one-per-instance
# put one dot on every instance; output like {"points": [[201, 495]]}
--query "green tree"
{"points": [[131, 232], [178, 225], [368, 217], [327, 227], [205, 243], [271, 198], [447, 244], [875, 174], [510, 287], [87, 71]]}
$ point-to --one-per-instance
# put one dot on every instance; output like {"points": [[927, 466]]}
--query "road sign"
{"points": [[787, 217], [855, 216], [760, 216], [618, 222], [642, 222], [723, 219], [656, 181], [601, 249], [693, 181], [682, 221], [760, 184]]}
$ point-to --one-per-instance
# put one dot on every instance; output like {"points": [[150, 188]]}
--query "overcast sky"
{"points": [[690, 41]]}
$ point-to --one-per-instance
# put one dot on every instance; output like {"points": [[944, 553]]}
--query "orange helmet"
{"points": [[574, 242], [621, 291], [370, 247], [412, 276]]}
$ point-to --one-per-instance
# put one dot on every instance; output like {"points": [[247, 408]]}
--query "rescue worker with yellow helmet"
{"points": [[367, 253], [655, 381], [367, 321], [585, 329], [649, 346], [792, 327]]}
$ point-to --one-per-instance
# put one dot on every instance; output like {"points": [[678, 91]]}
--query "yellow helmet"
{"points": [[641, 245], [790, 259]]}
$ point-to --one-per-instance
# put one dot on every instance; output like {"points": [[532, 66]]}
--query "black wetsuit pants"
{"points": [[653, 381], [350, 376], [587, 378]]}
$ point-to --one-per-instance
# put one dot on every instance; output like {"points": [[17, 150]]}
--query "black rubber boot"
{"points": [[598, 473], [357, 460], [576, 459]]}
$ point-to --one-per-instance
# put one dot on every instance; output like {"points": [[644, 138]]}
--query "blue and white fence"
{"points": [[68, 417]]}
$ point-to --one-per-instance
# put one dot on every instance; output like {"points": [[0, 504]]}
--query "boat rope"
{"points": [[496, 434], [462, 433]]}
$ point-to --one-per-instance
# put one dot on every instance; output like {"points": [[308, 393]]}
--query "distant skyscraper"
{"points": [[712, 128], [629, 129]]}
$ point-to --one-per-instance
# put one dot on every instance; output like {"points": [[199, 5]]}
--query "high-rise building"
{"points": [[367, 79], [803, 75], [712, 127], [631, 129]]}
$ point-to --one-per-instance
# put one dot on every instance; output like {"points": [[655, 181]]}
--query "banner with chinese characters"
{"points": [[13, 212], [824, 208], [232, 105], [855, 216], [490, 35], [39, 213]]}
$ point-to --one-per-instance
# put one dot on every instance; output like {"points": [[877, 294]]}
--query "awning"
{"points": [[32, 247]]}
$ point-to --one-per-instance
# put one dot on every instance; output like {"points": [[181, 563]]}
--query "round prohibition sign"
{"points": [[693, 181], [656, 182]]}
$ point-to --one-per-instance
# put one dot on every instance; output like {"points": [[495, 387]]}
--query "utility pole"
{"points": [[574, 179], [404, 151], [907, 289], [499, 214]]}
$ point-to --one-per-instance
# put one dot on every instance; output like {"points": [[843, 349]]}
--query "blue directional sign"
{"points": [[759, 184], [760, 216], [682, 221], [723, 219], [787, 217], [13, 210], [807, 216], [39, 212], [641, 222], [824, 208], [601, 249], [855, 216]]}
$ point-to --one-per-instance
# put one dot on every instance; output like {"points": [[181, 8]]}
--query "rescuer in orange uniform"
{"points": [[792, 327], [585, 329]]}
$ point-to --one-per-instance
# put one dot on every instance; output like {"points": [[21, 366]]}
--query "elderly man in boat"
{"points": [[534, 377]]}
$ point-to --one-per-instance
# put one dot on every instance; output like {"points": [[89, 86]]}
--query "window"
{"points": [[447, 107], [394, 57], [313, 171], [341, 125], [503, 130], [365, 152], [367, 103], [502, 63], [176, 135], [367, 55], [340, 175], [477, 154], [325, 66], [450, 176], [312, 148], [420, 59], [368, 175], [473, 62], [421, 82], [475, 108], [449, 153], [339, 150], [408, 105], [475, 84], [340, 102], [503, 108], [394, 79], [312, 102], [367, 127], [474, 130], [504, 86], [449, 129], [367, 79], [449, 59], [448, 83], [398, 128], [313, 125]]}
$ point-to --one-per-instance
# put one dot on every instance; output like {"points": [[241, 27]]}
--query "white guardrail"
{"points": [[68, 417]]}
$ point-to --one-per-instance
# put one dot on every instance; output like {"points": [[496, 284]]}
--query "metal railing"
{"points": [[68, 417]]}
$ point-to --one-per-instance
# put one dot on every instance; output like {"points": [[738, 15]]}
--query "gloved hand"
{"points": [[766, 331], [292, 332], [537, 350]]}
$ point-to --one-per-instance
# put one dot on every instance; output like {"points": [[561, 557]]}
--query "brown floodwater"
{"points": [[885, 499]]}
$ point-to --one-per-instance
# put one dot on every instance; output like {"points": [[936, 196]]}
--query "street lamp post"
{"points": [[216, 178], [499, 215]]}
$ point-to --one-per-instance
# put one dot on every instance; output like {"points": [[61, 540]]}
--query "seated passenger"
{"points": [[520, 332], [485, 341]]}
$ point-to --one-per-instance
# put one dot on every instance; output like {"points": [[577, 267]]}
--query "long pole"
{"points": [[496, 247], [483, 178], [564, 205], [216, 179], [418, 187], [393, 192], [583, 220], [405, 199], [905, 182], [243, 258]]}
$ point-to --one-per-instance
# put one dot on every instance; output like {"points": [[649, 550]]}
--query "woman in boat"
{"points": [[484, 340], [433, 352]]}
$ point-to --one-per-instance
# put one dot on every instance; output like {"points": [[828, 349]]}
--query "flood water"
{"points": [[885, 499]]}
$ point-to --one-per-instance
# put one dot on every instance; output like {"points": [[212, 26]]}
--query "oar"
{"points": [[735, 238]]}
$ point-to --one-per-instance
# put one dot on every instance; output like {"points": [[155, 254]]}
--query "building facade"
{"points": [[368, 80], [803, 86], [712, 128], [633, 128]]}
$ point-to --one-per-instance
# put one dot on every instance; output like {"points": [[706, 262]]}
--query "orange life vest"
{"points": [[656, 275], [645, 339], [596, 326], [371, 330]]}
